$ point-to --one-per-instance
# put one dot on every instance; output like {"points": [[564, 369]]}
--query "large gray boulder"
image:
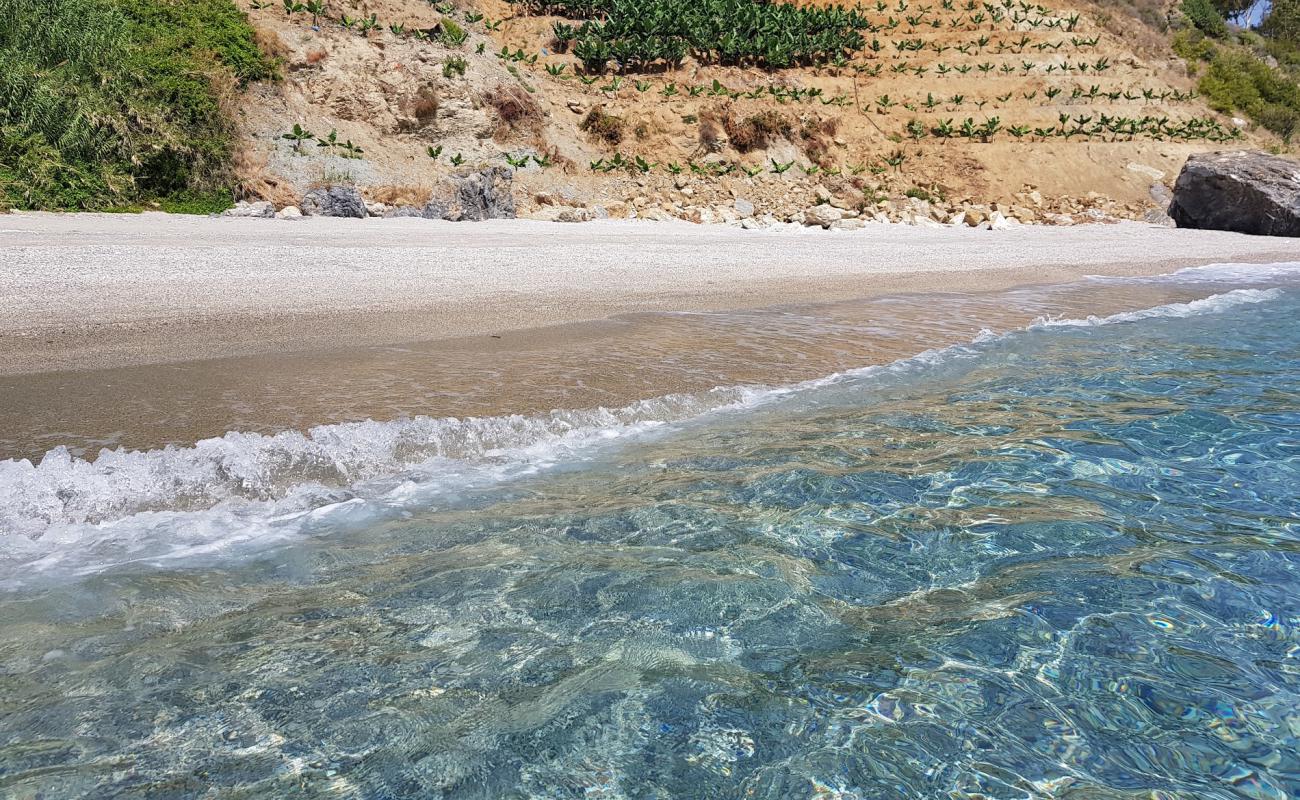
{"points": [[473, 196], [486, 194], [334, 201], [1245, 191]]}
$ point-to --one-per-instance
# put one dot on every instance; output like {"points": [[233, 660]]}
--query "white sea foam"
{"points": [[71, 515], [1205, 305], [1234, 273]]}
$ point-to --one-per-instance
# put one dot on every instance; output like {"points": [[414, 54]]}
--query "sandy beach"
{"points": [[94, 291]]}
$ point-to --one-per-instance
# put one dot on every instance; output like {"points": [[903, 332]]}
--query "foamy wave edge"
{"points": [[69, 514]]}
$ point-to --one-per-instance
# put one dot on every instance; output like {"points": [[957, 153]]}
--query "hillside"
{"points": [[1007, 102], [669, 108]]}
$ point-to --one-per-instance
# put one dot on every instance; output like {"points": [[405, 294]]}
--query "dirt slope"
{"points": [[392, 94]]}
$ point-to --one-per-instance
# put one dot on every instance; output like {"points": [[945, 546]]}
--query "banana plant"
{"points": [[298, 135], [779, 168], [518, 162], [434, 152], [457, 160]]}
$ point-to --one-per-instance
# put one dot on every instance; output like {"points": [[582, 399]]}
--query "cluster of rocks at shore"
{"points": [[470, 196], [845, 204], [824, 208]]}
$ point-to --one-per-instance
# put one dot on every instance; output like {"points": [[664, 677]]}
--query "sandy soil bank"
{"points": [[93, 291]]}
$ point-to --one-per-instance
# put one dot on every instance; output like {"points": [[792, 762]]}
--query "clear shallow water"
{"points": [[1060, 562]]}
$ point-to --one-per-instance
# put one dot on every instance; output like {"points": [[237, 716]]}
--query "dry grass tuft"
{"points": [[424, 106], [400, 195], [757, 131], [515, 107], [254, 182], [603, 127]]}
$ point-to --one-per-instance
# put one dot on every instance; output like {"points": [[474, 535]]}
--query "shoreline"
{"points": [[92, 291]]}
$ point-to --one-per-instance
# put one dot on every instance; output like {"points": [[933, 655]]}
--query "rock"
{"points": [[403, 211], [1142, 169], [752, 224], [376, 209], [1157, 217], [260, 209], [957, 219], [334, 201], [997, 222], [1244, 191], [486, 195], [823, 215], [545, 199], [1161, 194], [926, 222], [289, 212], [848, 225], [564, 214], [436, 209], [972, 217]]}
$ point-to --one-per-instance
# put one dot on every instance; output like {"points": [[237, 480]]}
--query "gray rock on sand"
{"points": [[334, 201], [289, 212], [1246, 191], [474, 196], [486, 195], [260, 209]]}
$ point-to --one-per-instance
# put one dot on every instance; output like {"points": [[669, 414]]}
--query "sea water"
{"points": [[1060, 560]]}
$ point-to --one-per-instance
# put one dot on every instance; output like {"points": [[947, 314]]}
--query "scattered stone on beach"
{"points": [[1246, 191], [289, 212], [260, 209], [334, 201], [822, 214], [743, 207], [564, 214]]}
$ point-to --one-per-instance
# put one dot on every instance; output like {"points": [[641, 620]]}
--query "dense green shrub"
{"points": [[1236, 81], [113, 102], [1206, 17], [638, 34]]}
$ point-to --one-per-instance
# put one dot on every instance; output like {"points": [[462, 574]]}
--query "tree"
{"points": [[1283, 21]]}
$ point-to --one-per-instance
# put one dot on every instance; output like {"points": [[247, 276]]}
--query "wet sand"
{"points": [[94, 291]]}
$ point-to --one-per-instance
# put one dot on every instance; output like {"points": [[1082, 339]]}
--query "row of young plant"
{"points": [[716, 169], [978, 46], [1087, 126], [883, 103]]}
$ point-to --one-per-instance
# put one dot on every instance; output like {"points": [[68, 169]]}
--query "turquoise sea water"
{"points": [[1061, 561]]}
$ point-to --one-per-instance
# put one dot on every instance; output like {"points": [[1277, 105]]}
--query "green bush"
{"points": [[1206, 17], [1238, 82], [647, 34], [110, 103]]}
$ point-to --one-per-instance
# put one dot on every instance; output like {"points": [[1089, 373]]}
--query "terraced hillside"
{"points": [[674, 108]]}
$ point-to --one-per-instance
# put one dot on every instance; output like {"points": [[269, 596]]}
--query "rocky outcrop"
{"points": [[1244, 191], [486, 195], [474, 196], [334, 201]]}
